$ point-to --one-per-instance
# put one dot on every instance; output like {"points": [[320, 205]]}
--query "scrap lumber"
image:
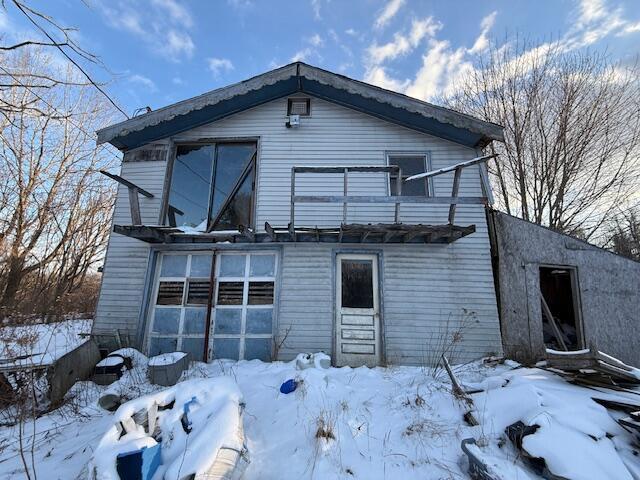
{"points": [[552, 322], [593, 367], [460, 393]]}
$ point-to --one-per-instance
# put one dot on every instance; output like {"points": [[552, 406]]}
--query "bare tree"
{"points": [[572, 131], [54, 204], [624, 234]]}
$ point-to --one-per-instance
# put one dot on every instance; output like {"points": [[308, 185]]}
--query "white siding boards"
{"points": [[425, 289]]}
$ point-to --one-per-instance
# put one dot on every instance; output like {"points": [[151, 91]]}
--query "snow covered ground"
{"points": [[41, 344], [382, 423]]}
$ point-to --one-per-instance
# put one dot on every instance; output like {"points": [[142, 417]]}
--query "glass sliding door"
{"points": [[212, 187]]}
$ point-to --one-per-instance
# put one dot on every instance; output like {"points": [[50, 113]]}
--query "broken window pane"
{"points": [[357, 283], [231, 161], [260, 293], [190, 187], [198, 292], [226, 348], [170, 293], [230, 293], [410, 166]]}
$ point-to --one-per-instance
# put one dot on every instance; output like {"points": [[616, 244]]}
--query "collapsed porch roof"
{"points": [[295, 78], [345, 233]]}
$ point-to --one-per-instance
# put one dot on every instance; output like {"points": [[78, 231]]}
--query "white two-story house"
{"points": [[276, 216]]}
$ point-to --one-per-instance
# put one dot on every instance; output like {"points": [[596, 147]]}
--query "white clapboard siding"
{"points": [[336, 135], [428, 293], [423, 285], [126, 261]]}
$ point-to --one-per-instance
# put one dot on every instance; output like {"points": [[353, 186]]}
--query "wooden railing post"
{"points": [[292, 228], [134, 205], [398, 194], [454, 194], [344, 190]]}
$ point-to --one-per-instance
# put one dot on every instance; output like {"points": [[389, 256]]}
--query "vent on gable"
{"points": [[299, 106]]}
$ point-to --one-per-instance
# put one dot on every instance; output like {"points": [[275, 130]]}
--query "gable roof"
{"points": [[295, 78]]}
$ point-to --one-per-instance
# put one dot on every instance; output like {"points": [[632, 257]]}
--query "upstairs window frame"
{"points": [[251, 171], [428, 166]]}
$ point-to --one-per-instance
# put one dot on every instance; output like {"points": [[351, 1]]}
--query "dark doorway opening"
{"points": [[560, 312]]}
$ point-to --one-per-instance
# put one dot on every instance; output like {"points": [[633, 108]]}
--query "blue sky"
{"points": [[162, 51]]}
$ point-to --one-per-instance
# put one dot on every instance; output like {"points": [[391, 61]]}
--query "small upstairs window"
{"points": [[411, 165], [299, 106]]}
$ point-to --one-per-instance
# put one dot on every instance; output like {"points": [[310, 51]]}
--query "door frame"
{"points": [[379, 254]]}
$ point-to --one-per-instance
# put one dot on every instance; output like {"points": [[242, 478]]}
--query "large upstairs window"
{"points": [[212, 186]]}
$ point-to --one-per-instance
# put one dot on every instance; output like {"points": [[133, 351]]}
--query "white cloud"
{"points": [[301, 55], [351, 32], [403, 44], [316, 40], [164, 25], [482, 42], [315, 6], [144, 81], [388, 12], [219, 65], [177, 81]]}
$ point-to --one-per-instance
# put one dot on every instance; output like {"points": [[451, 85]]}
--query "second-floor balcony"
{"points": [[394, 215]]}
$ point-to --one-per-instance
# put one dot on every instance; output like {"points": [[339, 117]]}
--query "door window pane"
{"points": [[228, 320], [357, 283], [232, 265], [190, 187], [194, 320], [259, 320], [201, 266], [230, 293], [166, 320], [226, 348], [173, 266], [194, 347], [231, 161], [257, 348], [160, 345], [262, 265]]}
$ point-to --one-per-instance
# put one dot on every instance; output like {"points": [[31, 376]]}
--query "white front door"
{"points": [[357, 311]]}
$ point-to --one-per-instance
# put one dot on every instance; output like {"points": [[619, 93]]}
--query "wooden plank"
{"points": [[454, 193], [552, 321], [451, 168], [398, 194], [344, 192], [136, 219], [127, 183], [388, 199], [340, 169], [269, 229]]}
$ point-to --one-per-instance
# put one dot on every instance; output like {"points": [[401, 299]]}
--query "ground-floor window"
{"points": [[241, 301]]}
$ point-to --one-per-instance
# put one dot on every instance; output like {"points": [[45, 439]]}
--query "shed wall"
{"points": [[609, 290]]}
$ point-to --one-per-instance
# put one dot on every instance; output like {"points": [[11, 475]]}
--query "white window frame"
{"points": [[428, 165], [242, 336], [182, 306]]}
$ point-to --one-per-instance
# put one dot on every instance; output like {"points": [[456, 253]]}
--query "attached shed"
{"points": [[592, 294]]}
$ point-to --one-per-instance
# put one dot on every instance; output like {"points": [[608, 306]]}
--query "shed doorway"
{"points": [[559, 298]]}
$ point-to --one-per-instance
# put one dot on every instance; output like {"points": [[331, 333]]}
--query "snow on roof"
{"points": [[40, 344]]}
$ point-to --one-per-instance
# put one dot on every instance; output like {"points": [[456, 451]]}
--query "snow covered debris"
{"points": [[166, 359], [191, 421], [379, 423], [316, 360], [41, 344]]}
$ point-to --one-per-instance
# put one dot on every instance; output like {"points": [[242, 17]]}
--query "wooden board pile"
{"points": [[593, 368]]}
